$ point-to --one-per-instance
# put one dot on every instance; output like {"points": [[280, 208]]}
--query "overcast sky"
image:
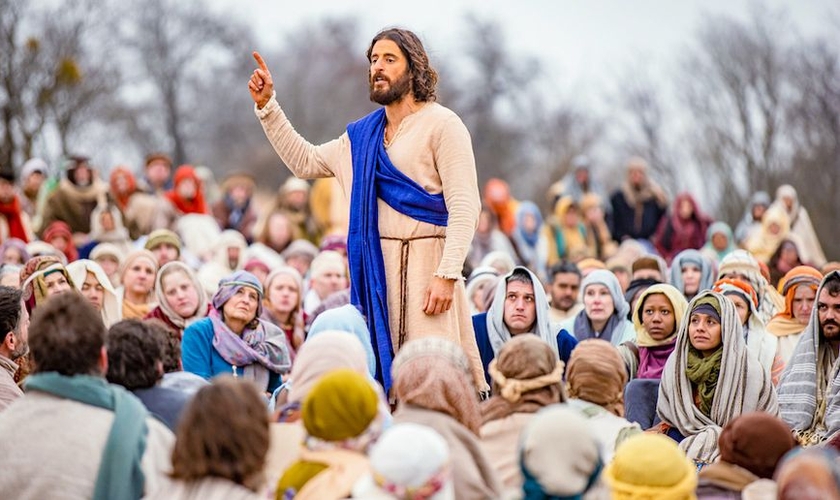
{"points": [[576, 40]]}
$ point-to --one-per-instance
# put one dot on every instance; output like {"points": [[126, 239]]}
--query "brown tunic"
{"points": [[432, 147]]}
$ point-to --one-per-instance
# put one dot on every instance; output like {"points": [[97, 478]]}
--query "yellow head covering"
{"points": [[340, 406], [678, 302], [651, 466]]}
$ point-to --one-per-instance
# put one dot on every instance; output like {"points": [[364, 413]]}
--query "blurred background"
{"points": [[723, 98]]}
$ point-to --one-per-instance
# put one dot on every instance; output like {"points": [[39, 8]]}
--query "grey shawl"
{"points": [[743, 386], [498, 332], [800, 395]]}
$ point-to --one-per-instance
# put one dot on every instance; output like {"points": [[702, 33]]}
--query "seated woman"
{"points": [[799, 288], [433, 384], [136, 294], [342, 420], [233, 339], [283, 303], [604, 314], [762, 345], [657, 318], [691, 273], [41, 278], [526, 377], [180, 296], [215, 465], [710, 379], [92, 282]]}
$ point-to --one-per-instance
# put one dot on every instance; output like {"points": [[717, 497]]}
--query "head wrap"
{"points": [[707, 274], [498, 331], [111, 309], [60, 229], [300, 248], [743, 385], [499, 260], [229, 285], [327, 261], [526, 377], [549, 474], [800, 398], [651, 466], [18, 245], [589, 264], [709, 306], [340, 406], [583, 326], [756, 441], [723, 228], [813, 469], [334, 243], [346, 319], [163, 302], [597, 374], [326, 351], [433, 373], [196, 205], [32, 279], [409, 461], [678, 303], [784, 323], [33, 165], [107, 250], [160, 236], [741, 262]]}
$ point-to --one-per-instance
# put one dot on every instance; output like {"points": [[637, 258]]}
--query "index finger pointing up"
{"points": [[260, 61]]}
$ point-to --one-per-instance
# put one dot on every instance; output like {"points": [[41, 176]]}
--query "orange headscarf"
{"points": [[784, 323], [121, 197], [497, 197], [196, 205]]}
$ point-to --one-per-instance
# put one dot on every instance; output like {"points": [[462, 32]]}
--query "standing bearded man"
{"points": [[409, 172]]}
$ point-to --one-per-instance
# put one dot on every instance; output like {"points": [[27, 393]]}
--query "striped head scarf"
{"points": [[809, 402], [741, 262]]}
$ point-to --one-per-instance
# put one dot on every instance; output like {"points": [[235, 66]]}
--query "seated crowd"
{"points": [[164, 338]]}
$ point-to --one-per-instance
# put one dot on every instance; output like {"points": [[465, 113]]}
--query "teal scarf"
{"points": [[120, 475]]}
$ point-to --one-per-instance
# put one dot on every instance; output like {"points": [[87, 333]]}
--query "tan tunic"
{"points": [[432, 147]]}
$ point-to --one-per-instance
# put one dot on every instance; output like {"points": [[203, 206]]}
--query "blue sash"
{"points": [[374, 176]]}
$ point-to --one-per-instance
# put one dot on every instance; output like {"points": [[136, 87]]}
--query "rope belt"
{"points": [[404, 249]]}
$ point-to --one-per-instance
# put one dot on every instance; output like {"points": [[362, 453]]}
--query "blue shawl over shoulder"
{"points": [[374, 176]]}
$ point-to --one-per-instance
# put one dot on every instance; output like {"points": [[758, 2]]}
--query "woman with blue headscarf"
{"points": [[234, 340]]}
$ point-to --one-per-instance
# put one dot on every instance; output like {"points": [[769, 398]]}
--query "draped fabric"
{"points": [[497, 330], [120, 474], [810, 389], [743, 386], [374, 176]]}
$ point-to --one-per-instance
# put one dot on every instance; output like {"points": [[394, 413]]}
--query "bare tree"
{"points": [[734, 83], [180, 49]]}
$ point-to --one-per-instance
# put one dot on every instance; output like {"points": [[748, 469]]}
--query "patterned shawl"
{"points": [[808, 401], [743, 386]]}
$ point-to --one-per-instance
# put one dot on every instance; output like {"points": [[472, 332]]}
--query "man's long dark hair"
{"points": [[423, 77]]}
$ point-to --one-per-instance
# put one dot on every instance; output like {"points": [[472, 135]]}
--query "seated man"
{"points": [[809, 385], [135, 361], [564, 290], [14, 325], [518, 307], [73, 435]]}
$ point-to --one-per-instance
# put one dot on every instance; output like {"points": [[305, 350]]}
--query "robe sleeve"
{"points": [[453, 155], [304, 159]]}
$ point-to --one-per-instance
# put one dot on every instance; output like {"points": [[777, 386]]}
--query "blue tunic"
{"points": [[200, 357]]}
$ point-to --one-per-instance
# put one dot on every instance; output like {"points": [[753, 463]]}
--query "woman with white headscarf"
{"points": [[93, 283]]}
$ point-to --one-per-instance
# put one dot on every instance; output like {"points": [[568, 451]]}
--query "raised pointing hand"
{"points": [[260, 84]]}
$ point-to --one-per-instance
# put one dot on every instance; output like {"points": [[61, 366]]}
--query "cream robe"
{"points": [[432, 147]]}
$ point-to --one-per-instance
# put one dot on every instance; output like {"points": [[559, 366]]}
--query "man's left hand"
{"points": [[438, 295]]}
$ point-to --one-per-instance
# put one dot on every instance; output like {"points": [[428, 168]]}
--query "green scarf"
{"points": [[704, 373], [120, 475]]}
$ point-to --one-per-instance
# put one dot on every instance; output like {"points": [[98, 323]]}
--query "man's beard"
{"points": [[395, 92], [20, 352], [835, 336]]}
